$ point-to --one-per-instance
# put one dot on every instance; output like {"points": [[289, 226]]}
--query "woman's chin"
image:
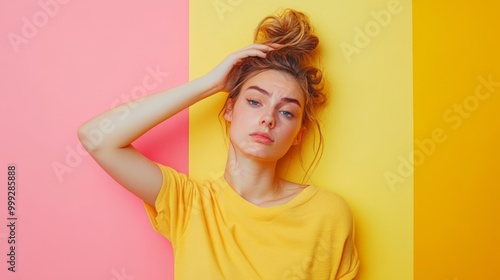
{"points": [[260, 152], [261, 155]]}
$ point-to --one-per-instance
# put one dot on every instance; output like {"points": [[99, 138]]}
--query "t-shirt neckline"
{"points": [[306, 194]]}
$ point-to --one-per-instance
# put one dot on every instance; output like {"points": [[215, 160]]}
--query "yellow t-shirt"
{"points": [[217, 234]]}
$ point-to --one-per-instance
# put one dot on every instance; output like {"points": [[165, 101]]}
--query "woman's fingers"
{"points": [[249, 52], [276, 45], [262, 47], [219, 74], [259, 50]]}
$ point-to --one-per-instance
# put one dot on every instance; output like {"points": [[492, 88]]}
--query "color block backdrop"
{"points": [[412, 85], [457, 131], [62, 63]]}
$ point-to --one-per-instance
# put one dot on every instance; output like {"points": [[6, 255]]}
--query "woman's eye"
{"points": [[253, 102], [287, 114]]}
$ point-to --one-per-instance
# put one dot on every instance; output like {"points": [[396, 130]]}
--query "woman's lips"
{"points": [[262, 137]]}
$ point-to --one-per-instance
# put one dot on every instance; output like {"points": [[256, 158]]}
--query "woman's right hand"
{"points": [[218, 75]]}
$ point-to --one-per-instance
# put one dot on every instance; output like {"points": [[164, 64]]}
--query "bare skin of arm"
{"points": [[115, 153]]}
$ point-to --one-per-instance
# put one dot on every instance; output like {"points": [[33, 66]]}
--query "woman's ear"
{"points": [[300, 136], [228, 110]]}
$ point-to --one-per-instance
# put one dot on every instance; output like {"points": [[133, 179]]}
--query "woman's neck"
{"points": [[254, 180]]}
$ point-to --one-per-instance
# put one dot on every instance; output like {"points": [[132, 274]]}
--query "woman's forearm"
{"points": [[120, 126]]}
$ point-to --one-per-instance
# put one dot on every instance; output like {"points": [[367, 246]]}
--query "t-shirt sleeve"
{"points": [[174, 205], [349, 264]]}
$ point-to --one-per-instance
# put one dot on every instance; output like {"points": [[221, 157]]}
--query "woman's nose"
{"points": [[268, 120]]}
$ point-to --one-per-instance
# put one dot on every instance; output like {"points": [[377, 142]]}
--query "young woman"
{"points": [[249, 223]]}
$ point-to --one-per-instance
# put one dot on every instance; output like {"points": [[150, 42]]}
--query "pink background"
{"points": [[83, 58]]}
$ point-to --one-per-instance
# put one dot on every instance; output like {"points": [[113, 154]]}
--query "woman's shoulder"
{"points": [[328, 194], [321, 194], [331, 203]]}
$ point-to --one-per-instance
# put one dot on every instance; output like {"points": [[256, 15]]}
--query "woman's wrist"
{"points": [[207, 85]]}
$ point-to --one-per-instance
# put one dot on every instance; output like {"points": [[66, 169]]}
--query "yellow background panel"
{"points": [[367, 58], [457, 184]]}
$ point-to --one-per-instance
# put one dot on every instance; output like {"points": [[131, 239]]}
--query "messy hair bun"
{"points": [[297, 56], [291, 28]]}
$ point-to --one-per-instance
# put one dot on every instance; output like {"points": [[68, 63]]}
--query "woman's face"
{"points": [[266, 118]]}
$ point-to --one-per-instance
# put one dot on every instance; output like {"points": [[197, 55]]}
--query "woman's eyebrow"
{"points": [[284, 99]]}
